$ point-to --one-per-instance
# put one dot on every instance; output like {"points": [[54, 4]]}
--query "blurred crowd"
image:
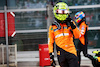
{"points": [[31, 4], [42, 3]]}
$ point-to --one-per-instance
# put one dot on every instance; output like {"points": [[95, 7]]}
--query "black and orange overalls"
{"points": [[66, 51], [83, 41]]}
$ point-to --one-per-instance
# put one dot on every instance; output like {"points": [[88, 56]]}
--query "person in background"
{"points": [[83, 41], [62, 31], [96, 59]]}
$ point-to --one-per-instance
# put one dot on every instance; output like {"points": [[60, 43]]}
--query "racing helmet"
{"points": [[61, 11], [79, 16]]}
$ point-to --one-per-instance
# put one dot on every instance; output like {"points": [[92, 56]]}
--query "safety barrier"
{"points": [[12, 53]]}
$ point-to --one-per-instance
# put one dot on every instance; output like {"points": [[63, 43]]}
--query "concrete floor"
{"points": [[31, 59]]}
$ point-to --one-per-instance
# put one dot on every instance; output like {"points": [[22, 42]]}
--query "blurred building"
{"points": [[31, 20]]}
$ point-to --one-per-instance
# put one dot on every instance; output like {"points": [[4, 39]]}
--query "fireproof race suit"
{"points": [[63, 38], [83, 41], [83, 33]]}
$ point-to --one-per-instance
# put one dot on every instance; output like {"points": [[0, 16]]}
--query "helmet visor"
{"points": [[62, 11]]}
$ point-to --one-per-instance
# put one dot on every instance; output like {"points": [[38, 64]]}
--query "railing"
{"points": [[12, 49]]}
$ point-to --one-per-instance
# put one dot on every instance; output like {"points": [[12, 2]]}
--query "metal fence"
{"points": [[12, 49]]}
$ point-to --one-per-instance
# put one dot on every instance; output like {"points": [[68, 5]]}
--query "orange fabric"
{"points": [[63, 38], [98, 59], [82, 29]]}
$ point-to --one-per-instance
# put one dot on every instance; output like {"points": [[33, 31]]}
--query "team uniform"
{"points": [[82, 45], [83, 41], [61, 33], [64, 44]]}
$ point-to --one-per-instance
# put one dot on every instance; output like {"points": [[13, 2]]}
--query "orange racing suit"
{"points": [[83, 41], [83, 33], [63, 38]]}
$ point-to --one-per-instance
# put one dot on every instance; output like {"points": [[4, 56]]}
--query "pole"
{"points": [[50, 18], [6, 30]]}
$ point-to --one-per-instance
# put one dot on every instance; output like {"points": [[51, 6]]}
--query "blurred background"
{"points": [[33, 17]]}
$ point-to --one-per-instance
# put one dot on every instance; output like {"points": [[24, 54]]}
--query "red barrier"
{"points": [[44, 55], [11, 24]]}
